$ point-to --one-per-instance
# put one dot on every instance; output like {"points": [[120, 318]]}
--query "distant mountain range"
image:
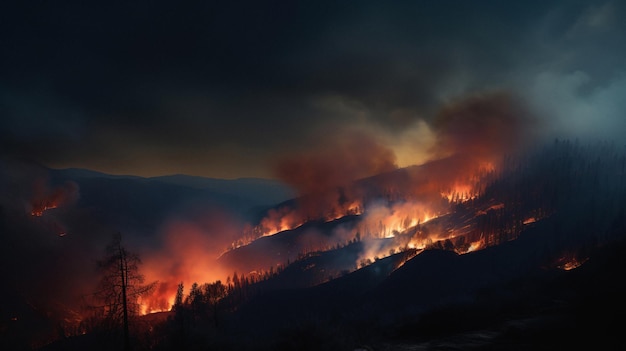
{"points": [[254, 192], [139, 205]]}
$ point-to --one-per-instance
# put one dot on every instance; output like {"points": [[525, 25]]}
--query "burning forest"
{"points": [[312, 175], [359, 224], [359, 220], [412, 207], [506, 212]]}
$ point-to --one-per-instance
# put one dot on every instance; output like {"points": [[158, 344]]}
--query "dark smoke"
{"points": [[484, 126], [321, 175], [339, 161]]}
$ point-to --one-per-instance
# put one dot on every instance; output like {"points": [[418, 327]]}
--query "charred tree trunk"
{"points": [[124, 279], [120, 287]]}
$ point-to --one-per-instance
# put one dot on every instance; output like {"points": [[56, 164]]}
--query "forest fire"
{"points": [[460, 193], [288, 219], [529, 220], [158, 302], [570, 261], [384, 175], [190, 249], [40, 208], [279, 220], [355, 174], [390, 210], [389, 221], [375, 241], [45, 199], [476, 245]]}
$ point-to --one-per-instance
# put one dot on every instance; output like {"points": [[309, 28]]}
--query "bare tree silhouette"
{"points": [[120, 287]]}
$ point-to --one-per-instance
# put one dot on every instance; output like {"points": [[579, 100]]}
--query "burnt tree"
{"points": [[120, 287]]}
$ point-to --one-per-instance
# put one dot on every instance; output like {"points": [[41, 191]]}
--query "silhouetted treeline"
{"points": [[581, 188]]}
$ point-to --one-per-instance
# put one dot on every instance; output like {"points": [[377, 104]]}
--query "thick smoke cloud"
{"points": [[352, 174], [348, 157], [485, 126], [578, 108], [220, 90], [323, 176], [474, 131]]}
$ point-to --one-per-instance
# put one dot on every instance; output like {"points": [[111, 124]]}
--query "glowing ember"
{"points": [[491, 208], [476, 245], [45, 199], [39, 209], [286, 218], [529, 220], [569, 262]]}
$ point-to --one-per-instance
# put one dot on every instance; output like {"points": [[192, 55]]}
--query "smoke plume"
{"points": [[188, 253], [336, 163], [322, 176], [484, 126]]}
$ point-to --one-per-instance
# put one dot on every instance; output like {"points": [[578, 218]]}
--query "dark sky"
{"points": [[224, 89]]}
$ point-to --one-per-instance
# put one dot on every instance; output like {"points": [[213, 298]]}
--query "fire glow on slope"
{"points": [[354, 173], [570, 261], [188, 255], [383, 221], [469, 138], [391, 206], [45, 199], [288, 219], [449, 231], [384, 227]]}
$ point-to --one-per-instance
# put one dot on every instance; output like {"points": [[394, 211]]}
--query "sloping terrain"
{"points": [[493, 297]]}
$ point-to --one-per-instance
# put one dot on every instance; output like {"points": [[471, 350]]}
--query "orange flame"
{"points": [[190, 249], [476, 245], [45, 199], [40, 208], [570, 261]]}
